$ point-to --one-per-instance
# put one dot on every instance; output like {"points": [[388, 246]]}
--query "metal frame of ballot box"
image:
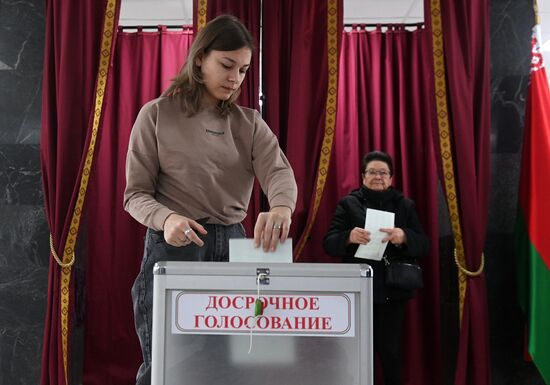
{"points": [[269, 323]]}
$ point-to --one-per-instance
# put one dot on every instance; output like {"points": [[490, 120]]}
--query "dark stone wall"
{"points": [[24, 233], [511, 23], [23, 230]]}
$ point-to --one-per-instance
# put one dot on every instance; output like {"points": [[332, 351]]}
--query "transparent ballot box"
{"points": [[251, 323]]}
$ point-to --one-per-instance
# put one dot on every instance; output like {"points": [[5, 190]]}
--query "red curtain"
{"points": [[466, 42], [464, 27], [247, 11], [296, 86], [383, 103], [72, 55], [144, 63]]}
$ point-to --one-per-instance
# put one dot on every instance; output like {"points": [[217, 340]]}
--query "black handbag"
{"points": [[403, 275]]}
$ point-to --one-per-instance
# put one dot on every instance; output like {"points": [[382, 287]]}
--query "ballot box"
{"points": [[261, 323]]}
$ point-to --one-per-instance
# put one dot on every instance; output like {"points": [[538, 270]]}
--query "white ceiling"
{"points": [[544, 13], [179, 12], [154, 12], [383, 11]]}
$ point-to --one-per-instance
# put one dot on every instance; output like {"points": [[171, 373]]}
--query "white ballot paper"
{"points": [[374, 221], [243, 250]]}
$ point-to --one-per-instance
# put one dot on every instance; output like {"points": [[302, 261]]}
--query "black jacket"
{"points": [[350, 213]]}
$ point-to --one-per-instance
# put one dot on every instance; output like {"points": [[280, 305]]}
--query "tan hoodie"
{"points": [[203, 165]]}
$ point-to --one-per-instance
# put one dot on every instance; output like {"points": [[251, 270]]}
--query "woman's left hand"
{"points": [[272, 227], [395, 235]]}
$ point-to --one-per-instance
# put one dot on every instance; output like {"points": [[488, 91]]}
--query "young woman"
{"points": [[191, 163]]}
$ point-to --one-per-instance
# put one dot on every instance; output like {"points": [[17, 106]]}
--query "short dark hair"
{"points": [[377, 155], [224, 33]]}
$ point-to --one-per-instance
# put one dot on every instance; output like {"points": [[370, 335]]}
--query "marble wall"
{"points": [[24, 234], [24, 263], [23, 230], [511, 22]]}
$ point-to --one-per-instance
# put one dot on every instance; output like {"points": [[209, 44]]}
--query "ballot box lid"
{"points": [[339, 270]]}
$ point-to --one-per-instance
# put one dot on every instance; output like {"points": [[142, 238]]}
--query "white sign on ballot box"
{"points": [[222, 313]]}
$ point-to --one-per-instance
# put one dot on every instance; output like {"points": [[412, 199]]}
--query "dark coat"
{"points": [[350, 213]]}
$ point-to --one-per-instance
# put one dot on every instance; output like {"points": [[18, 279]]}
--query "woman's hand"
{"points": [[181, 231], [359, 236], [395, 235], [272, 227]]}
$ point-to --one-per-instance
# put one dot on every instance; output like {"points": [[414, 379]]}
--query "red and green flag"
{"points": [[533, 220]]}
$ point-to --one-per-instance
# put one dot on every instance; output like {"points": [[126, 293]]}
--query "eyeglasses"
{"points": [[380, 173]]}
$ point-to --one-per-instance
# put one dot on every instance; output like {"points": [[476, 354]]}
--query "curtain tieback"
{"points": [[56, 257], [468, 272]]}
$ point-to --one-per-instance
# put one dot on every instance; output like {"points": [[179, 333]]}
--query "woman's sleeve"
{"points": [[271, 167], [418, 244], [142, 168], [336, 238]]}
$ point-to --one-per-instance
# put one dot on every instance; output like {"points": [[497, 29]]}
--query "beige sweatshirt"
{"points": [[203, 165]]}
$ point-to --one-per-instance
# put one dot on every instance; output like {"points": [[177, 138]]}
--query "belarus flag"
{"points": [[533, 220]]}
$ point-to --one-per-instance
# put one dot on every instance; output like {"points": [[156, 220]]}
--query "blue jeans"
{"points": [[215, 249]]}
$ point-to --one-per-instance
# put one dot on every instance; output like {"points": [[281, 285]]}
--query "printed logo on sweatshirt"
{"points": [[215, 133]]}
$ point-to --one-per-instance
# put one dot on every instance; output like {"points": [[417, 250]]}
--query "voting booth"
{"points": [[261, 323]]}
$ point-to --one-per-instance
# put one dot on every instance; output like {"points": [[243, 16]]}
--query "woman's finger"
{"points": [[275, 236], [285, 229], [190, 234], [259, 229], [270, 233]]}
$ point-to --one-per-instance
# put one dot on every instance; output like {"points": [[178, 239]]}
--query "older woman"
{"points": [[407, 241]]}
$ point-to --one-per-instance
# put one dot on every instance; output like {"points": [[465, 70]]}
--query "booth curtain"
{"points": [[464, 58], [466, 43], [78, 43], [296, 61], [143, 65]]}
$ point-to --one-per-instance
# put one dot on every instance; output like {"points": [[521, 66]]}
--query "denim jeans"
{"points": [[215, 249]]}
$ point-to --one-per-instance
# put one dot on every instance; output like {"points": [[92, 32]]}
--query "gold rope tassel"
{"points": [[56, 257], [467, 272]]}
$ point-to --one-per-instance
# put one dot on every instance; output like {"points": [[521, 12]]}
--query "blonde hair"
{"points": [[224, 33]]}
